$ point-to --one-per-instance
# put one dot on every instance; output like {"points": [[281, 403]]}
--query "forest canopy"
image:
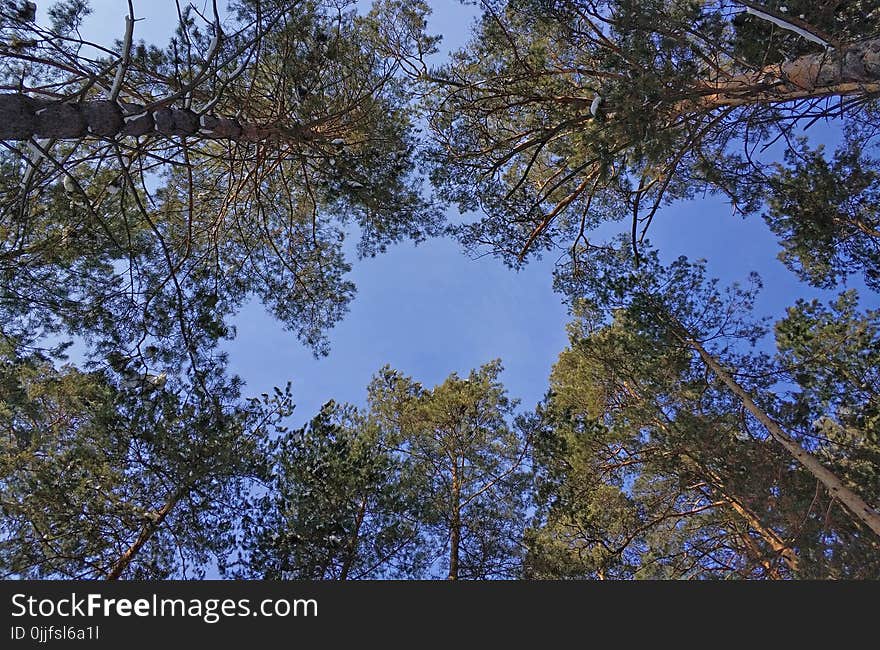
{"points": [[149, 192]]}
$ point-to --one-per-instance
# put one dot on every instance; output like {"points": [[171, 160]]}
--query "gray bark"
{"points": [[23, 118]]}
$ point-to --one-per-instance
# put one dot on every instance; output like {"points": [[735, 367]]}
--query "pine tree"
{"points": [[675, 382], [647, 471], [227, 166], [103, 481], [339, 506], [469, 457], [146, 194], [561, 117]]}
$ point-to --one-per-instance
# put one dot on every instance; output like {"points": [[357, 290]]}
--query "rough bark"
{"points": [[455, 526], [850, 70], [23, 117]]}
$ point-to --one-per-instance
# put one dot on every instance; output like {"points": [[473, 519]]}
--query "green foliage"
{"points": [[339, 505], [645, 470], [142, 250], [463, 449], [689, 91], [144, 461], [825, 214], [87, 468], [760, 42], [650, 467], [832, 354], [152, 228], [421, 482]]}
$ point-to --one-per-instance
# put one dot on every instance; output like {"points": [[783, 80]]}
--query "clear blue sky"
{"points": [[430, 310]]}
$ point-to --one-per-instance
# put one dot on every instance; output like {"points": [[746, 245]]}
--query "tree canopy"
{"points": [[682, 452], [423, 482], [149, 192], [561, 116]]}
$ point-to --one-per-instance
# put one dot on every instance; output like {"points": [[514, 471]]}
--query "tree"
{"points": [[460, 442], [825, 212], [156, 190], [646, 470], [830, 353], [238, 159], [106, 481], [561, 116], [675, 310], [339, 505]]}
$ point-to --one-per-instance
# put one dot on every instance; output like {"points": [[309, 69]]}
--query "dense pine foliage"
{"points": [[149, 191]]}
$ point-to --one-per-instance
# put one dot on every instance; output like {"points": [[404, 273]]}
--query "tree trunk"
{"points": [[23, 117], [755, 553], [712, 478], [455, 526], [835, 486], [852, 70], [146, 533], [351, 553], [770, 536]]}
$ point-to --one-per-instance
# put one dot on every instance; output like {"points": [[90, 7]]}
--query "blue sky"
{"points": [[429, 310]]}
